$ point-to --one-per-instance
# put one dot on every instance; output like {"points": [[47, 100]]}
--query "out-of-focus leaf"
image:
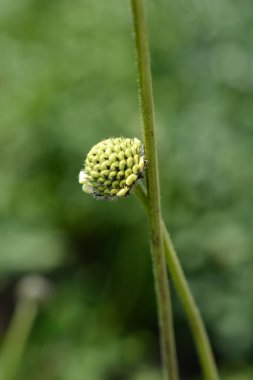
{"points": [[29, 249]]}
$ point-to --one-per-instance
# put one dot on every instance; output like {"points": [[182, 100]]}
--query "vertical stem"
{"points": [[16, 337], [194, 317], [154, 207]]}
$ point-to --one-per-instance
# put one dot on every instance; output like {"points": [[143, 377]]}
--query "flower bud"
{"points": [[113, 167]]}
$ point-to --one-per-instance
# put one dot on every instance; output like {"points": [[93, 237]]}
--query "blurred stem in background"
{"points": [[169, 358], [194, 317], [30, 292]]}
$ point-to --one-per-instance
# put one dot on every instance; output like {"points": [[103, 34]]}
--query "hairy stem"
{"points": [[153, 192], [194, 317]]}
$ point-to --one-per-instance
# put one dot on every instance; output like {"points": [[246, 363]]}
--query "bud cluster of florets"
{"points": [[113, 167]]}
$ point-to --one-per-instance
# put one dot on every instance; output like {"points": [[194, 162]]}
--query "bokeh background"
{"points": [[68, 80]]}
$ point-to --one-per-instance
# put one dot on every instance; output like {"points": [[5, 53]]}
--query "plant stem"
{"points": [[191, 309], [154, 207], [194, 317], [16, 337]]}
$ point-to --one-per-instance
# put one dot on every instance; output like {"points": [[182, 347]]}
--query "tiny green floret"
{"points": [[112, 167]]}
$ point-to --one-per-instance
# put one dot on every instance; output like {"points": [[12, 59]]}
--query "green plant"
{"points": [[102, 185], [146, 101]]}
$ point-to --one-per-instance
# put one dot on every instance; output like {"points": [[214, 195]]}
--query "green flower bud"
{"points": [[112, 168]]}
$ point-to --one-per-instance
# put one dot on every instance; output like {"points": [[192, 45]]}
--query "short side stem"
{"points": [[183, 290], [154, 208]]}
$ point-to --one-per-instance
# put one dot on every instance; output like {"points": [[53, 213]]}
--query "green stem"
{"points": [[194, 317], [16, 337], [154, 207]]}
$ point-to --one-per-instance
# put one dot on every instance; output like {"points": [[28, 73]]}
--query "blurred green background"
{"points": [[67, 81]]}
